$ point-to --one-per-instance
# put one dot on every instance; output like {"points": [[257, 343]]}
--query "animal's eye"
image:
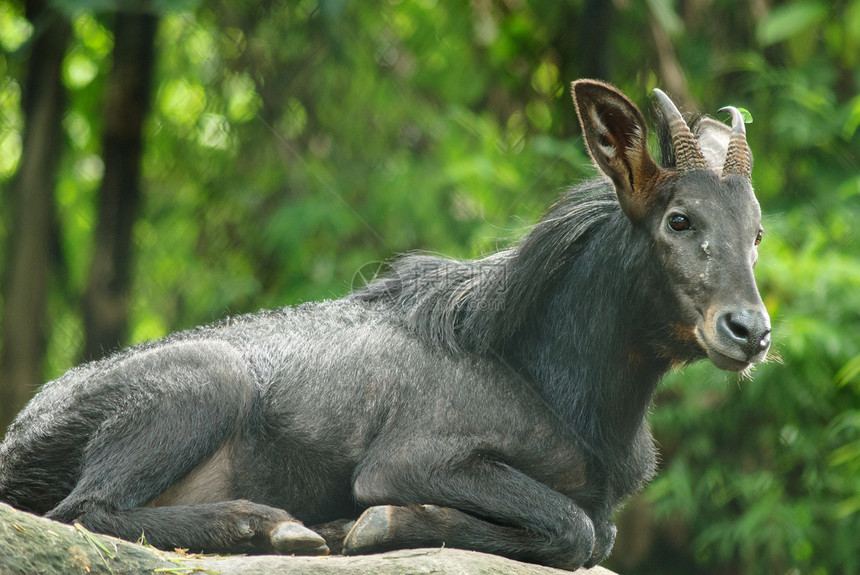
{"points": [[679, 222], [758, 237]]}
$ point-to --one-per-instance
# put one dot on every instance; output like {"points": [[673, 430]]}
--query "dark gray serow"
{"points": [[496, 405]]}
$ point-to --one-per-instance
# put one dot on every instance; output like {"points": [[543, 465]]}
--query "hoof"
{"points": [[370, 532], [291, 538]]}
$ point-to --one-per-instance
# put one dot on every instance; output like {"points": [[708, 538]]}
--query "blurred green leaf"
{"points": [[14, 28], [788, 20], [748, 119], [849, 372]]}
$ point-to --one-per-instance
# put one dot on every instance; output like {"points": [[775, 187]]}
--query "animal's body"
{"points": [[496, 405]]}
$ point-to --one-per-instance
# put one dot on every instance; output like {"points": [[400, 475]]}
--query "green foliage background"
{"points": [[291, 143]]}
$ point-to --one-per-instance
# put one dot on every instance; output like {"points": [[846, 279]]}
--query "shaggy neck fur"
{"points": [[568, 309]]}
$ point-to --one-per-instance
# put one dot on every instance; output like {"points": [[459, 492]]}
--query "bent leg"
{"points": [[388, 527], [482, 505], [605, 540], [224, 527], [185, 401]]}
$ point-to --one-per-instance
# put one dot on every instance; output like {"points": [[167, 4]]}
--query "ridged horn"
{"points": [[738, 155], [688, 155]]}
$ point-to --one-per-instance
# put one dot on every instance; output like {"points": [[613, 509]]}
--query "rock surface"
{"points": [[32, 545]]}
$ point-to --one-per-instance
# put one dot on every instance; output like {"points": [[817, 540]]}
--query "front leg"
{"points": [[604, 541], [478, 504]]}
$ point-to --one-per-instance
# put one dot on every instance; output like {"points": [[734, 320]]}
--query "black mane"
{"points": [[477, 305]]}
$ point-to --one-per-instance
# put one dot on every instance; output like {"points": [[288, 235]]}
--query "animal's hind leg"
{"points": [[186, 402], [237, 526]]}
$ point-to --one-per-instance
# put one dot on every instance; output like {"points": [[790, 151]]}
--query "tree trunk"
{"points": [[31, 545], [25, 286], [127, 100]]}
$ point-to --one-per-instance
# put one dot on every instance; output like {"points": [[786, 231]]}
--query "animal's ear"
{"points": [[615, 135], [713, 138]]}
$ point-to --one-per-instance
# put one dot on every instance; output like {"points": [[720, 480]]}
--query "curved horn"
{"points": [[738, 156], [688, 155]]}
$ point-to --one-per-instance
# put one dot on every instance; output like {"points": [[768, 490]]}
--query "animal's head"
{"points": [[700, 215]]}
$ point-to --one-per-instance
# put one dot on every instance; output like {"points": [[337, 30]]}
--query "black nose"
{"points": [[747, 329]]}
